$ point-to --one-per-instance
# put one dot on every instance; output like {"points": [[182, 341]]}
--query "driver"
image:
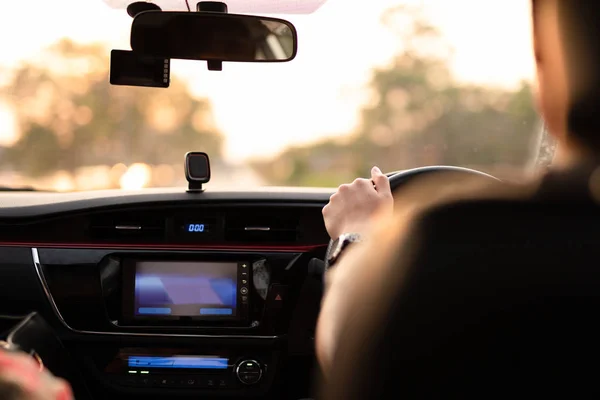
{"points": [[567, 97]]}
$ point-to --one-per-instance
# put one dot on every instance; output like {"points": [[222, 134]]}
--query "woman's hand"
{"points": [[353, 207]]}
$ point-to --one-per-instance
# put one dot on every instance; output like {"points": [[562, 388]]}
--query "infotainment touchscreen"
{"points": [[188, 289]]}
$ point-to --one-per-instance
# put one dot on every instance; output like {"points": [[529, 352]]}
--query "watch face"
{"points": [[339, 244]]}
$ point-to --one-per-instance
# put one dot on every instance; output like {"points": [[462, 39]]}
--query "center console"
{"points": [[177, 321], [224, 294]]}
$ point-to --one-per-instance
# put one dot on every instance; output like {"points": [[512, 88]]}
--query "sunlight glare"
{"points": [[63, 182], [9, 133], [137, 177]]}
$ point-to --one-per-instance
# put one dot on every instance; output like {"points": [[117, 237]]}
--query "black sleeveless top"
{"points": [[501, 299]]}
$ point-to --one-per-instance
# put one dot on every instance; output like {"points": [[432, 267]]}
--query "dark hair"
{"points": [[580, 33], [534, 7]]}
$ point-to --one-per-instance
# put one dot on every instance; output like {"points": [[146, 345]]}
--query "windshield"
{"points": [[392, 83]]}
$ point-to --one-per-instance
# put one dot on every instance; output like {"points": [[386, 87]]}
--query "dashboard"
{"points": [[164, 293]]}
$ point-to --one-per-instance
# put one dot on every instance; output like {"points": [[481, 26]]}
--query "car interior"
{"points": [[204, 293], [171, 293]]}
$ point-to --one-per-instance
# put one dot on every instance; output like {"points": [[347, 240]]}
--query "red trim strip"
{"points": [[301, 249]]}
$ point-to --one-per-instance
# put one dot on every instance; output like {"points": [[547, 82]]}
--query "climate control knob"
{"points": [[249, 372]]}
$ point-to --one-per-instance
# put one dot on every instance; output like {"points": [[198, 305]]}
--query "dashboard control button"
{"points": [[277, 297], [244, 290], [156, 380], [181, 381], [146, 381], [249, 366], [166, 381], [249, 378], [249, 372], [130, 381], [190, 382]]}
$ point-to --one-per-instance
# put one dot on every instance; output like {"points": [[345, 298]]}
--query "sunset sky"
{"points": [[261, 108]]}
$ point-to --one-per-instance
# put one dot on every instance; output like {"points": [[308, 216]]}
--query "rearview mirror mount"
{"points": [[213, 6]]}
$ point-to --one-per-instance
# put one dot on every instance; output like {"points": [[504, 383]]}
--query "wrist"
{"points": [[362, 228]]}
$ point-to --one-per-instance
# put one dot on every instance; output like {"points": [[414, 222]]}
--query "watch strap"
{"points": [[338, 246]]}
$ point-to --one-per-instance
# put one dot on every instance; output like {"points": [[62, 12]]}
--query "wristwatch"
{"points": [[338, 246]]}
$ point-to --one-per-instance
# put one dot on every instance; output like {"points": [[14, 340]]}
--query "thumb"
{"points": [[381, 181]]}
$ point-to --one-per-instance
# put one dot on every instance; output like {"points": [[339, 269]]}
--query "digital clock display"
{"points": [[196, 228]]}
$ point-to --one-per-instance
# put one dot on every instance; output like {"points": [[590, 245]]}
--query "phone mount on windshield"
{"points": [[197, 171]]}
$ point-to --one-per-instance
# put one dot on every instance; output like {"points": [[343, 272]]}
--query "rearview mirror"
{"points": [[213, 36]]}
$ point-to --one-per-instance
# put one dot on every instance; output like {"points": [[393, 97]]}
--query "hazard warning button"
{"points": [[277, 296]]}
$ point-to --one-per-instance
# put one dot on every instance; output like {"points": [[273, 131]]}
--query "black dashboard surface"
{"points": [[53, 246], [32, 204], [276, 218]]}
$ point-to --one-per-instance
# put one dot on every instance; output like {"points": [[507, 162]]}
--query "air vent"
{"points": [[127, 226], [264, 229]]}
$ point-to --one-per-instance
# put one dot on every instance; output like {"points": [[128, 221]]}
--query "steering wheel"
{"points": [[399, 178]]}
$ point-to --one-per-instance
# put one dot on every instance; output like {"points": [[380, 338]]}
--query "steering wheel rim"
{"points": [[398, 178]]}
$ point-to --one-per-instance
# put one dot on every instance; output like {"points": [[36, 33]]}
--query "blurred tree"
{"points": [[419, 116], [69, 116]]}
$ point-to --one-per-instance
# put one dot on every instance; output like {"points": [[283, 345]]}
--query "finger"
{"points": [[381, 182], [343, 188], [334, 198], [362, 183]]}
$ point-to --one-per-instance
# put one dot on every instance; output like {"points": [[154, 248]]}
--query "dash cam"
{"points": [[128, 68]]}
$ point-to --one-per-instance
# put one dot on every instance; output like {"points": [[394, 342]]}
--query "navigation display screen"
{"points": [[185, 289]]}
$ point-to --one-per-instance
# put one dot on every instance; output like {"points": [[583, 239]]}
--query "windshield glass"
{"points": [[392, 83]]}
